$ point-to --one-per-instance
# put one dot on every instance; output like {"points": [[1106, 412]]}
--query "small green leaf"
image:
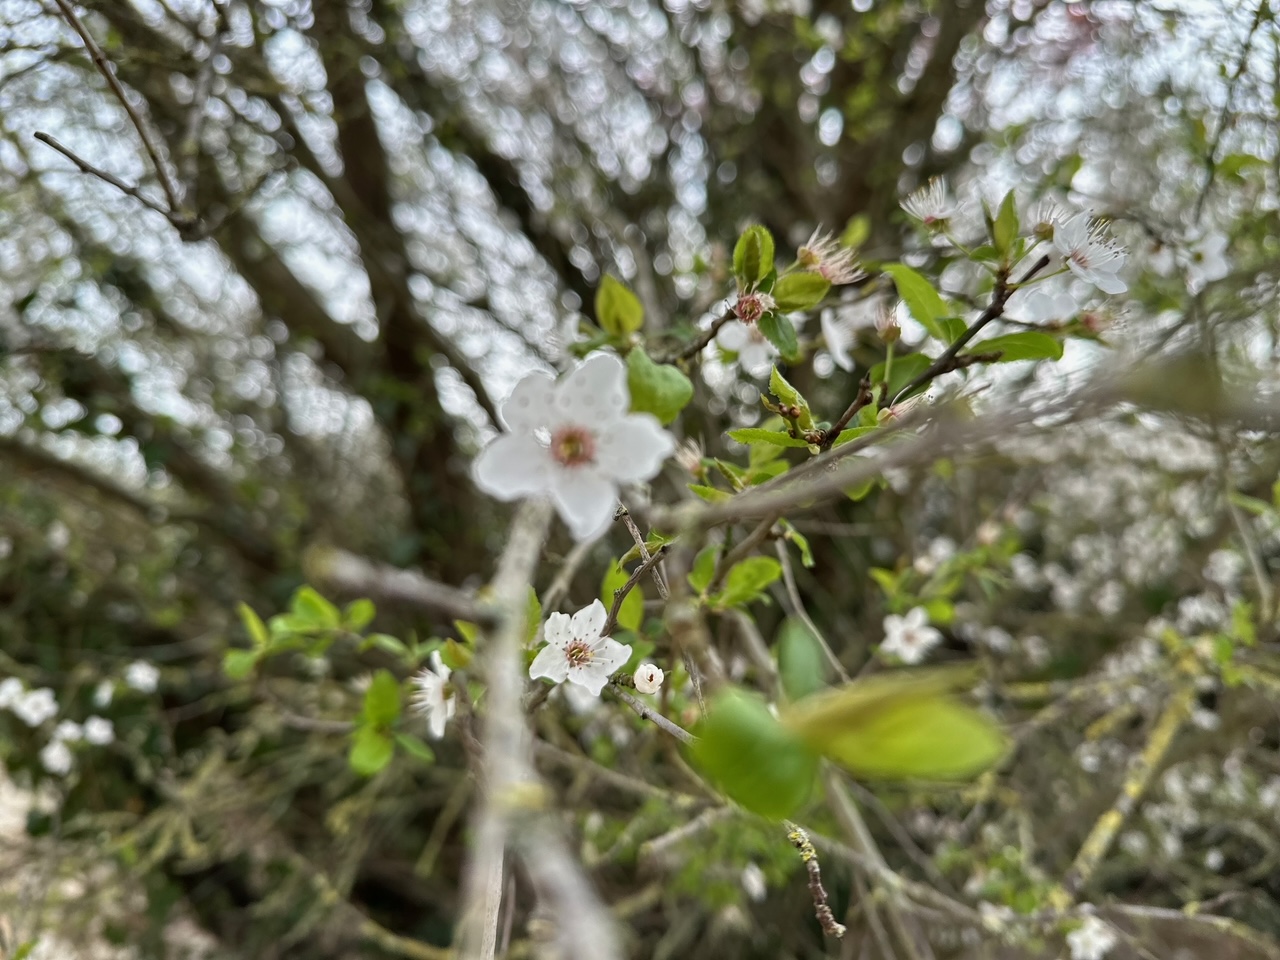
{"points": [[253, 626], [924, 302], [709, 494], [780, 332], [791, 397], [755, 435], [747, 580], [358, 614], [660, 389], [455, 656], [801, 542], [371, 750], [238, 664], [905, 369], [753, 256], [618, 310], [382, 700], [631, 614], [800, 291], [415, 747], [1005, 229], [745, 752], [311, 608], [704, 568], [467, 630], [533, 616], [856, 231], [853, 433], [1027, 345], [802, 666]]}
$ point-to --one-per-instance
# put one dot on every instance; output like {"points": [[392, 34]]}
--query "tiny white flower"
{"points": [[10, 691], [910, 638], [648, 678], [1207, 262], [1205, 719], [103, 693], [36, 706], [573, 441], [1224, 568], [930, 204], [99, 731], [142, 676], [431, 696], [575, 651], [56, 758], [1090, 252], [1214, 859], [997, 639], [755, 353], [824, 256], [68, 731], [1092, 940], [754, 883]]}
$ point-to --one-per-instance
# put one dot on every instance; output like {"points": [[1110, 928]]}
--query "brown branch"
{"points": [[625, 515], [863, 398], [648, 713], [620, 594], [809, 857], [696, 346], [86, 167]]}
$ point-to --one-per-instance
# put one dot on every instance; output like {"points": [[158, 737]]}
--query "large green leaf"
{"points": [[780, 332], [753, 256], [743, 750], [756, 435], [371, 750], [924, 302], [1027, 345], [382, 700], [747, 580], [802, 665], [903, 725], [618, 310], [660, 389], [800, 291]]}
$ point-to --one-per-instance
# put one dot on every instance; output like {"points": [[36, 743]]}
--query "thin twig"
{"points": [[189, 148], [658, 579], [559, 588], [798, 608], [620, 594], [86, 167], [648, 713], [104, 67], [696, 345], [742, 549], [809, 857], [864, 397]]}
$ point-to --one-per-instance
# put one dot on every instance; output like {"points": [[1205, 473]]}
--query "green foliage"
{"points": [[253, 626], [753, 257], [791, 397], [631, 613], [1004, 230], [780, 332], [358, 615], [747, 581], [660, 389], [924, 302], [802, 666], [756, 435], [800, 291], [703, 569], [1026, 345], [618, 310], [382, 700], [371, 750]]}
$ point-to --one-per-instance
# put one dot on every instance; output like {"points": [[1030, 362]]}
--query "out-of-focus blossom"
{"points": [[1090, 252], [910, 637], [931, 204]]}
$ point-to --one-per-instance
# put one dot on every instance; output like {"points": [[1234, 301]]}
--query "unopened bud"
{"points": [[648, 678]]}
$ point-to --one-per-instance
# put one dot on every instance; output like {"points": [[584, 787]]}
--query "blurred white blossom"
{"points": [[1092, 940], [431, 695], [56, 758], [35, 707], [142, 676], [1090, 253], [99, 731], [910, 637]]}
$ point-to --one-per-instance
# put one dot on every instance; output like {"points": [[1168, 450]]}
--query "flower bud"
{"points": [[648, 678]]}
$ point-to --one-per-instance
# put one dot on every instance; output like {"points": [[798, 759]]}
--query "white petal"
{"points": [[916, 618], [595, 392], [529, 405], [1109, 283], [589, 621], [585, 501], [634, 448], [436, 721], [839, 338], [550, 663], [609, 654], [592, 675], [437, 665], [513, 466], [558, 631], [732, 336]]}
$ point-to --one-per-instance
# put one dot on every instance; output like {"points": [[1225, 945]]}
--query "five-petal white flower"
{"points": [[1207, 261], [1092, 940], [56, 758], [1090, 252], [430, 695], [576, 651], [910, 638], [575, 442]]}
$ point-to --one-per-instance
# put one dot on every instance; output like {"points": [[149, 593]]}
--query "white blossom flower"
{"points": [[56, 758], [142, 676], [1224, 568], [575, 442], [1207, 262], [36, 706], [754, 883], [930, 204], [10, 691], [1090, 252], [68, 731], [431, 696], [103, 693], [755, 353], [575, 651], [1214, 859], [1038, 305], [689, 455], [824, 256], [99, 731], [838, 334], [648, 678], [1092, 940], [910, 638]]}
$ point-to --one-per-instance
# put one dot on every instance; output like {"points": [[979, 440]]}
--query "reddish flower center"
{"points": [[749, 308], [578, 653], [573, 446]]}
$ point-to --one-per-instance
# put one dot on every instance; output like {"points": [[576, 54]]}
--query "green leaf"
{"points": [[905, 369], [791, 397], [618, 310], [385, 642], [1027, 345], [900, 725], [314, 610], [800, 291], [780, 332], [1005, 229], [655, 388], [755, 435], [238, 664], [748, 754], [924, 302], [704, 568], [253, 626], [382, 700], [856, 231], [415, 747], [801, 542], [358, 614], [710, 494], [371, 750], [747, 580], [631, 613], [467, 630], [753, 256], [802, 666], [533, 616], [853, 433], [455, 656], [953, 328]]}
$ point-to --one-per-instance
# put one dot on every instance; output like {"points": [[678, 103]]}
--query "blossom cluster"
{"points": [[35, 707]]}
